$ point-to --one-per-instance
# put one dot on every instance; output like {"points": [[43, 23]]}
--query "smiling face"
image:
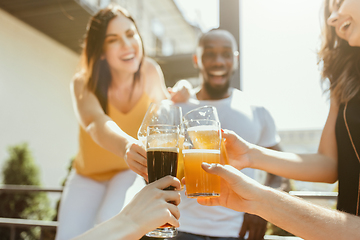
{"points": [[122, 46], [345, 18], [216, 59]]}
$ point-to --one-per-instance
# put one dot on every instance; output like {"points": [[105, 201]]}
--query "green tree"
{"points": [[20, 169]]}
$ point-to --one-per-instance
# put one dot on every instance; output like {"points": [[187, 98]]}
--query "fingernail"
{"points": [[222, 130]]}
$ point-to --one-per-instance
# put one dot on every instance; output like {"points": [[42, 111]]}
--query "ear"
{"points": [[102, 57], [195, 61]]}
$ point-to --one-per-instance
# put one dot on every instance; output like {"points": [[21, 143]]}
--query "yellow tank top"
{"points": [[99, 164]]}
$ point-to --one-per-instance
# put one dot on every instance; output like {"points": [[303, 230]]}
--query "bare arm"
{"points": [[292, 214], [274, 181], [318, 167], [97, 124]]}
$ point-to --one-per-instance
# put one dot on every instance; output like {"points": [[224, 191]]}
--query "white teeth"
{"points": [[344, 25], [128, 56], [218, 73]]}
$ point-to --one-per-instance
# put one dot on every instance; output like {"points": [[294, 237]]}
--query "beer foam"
{"points": [[163, 149], [212, 151], [202, 128]]}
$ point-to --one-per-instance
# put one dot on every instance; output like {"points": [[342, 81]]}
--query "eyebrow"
{"points": [[115, 35], [111, 35]]}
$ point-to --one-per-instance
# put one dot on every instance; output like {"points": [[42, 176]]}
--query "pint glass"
{"points": [[210, 113], [202, 141], [162, 147]]}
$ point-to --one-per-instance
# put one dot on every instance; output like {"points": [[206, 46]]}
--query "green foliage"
{"points": [[20, 169]]}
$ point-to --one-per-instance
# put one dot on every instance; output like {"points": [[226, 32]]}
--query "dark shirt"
{"points": [[348, 164]]}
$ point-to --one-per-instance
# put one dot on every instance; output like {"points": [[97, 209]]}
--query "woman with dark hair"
{"points": [[111, 93]]}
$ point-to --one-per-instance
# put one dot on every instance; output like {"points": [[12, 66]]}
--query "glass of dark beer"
{"points": [[162, 147]]}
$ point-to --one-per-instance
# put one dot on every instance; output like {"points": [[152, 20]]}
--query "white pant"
{"points": [[86, 202]]}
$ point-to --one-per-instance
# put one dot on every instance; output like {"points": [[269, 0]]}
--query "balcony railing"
{"points": [[14, 223]]}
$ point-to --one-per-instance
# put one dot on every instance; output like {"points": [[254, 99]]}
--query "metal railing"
{"points": [[14, 223]]}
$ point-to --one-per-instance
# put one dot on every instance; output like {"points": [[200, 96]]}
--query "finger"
{"points": [[136, 158], [243, 230], [138, 149], [172, 220], [138, 163], [183, 181], [252, 233], [174, 210], [261, 232], [228, 173], [166, 182], [173, 197], [140, 169]]}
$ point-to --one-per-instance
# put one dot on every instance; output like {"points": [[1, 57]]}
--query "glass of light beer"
{"points": [[210, 113], [162, 147], [202, 141]]}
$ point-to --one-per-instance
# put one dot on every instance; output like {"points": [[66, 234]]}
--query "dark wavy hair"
{"points": [[340, 63], [92, 68]]}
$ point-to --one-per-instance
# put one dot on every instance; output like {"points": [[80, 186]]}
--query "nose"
{"points": [[126, 43], [219, 60], [332, 20]]}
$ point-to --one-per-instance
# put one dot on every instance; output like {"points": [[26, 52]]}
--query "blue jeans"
{"points": [[190, 236]]}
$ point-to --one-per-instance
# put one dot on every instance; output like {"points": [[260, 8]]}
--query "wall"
{"points": [[35, 102]]}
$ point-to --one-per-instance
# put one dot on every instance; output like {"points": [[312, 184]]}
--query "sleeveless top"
{"points": [[99, 164], [348, 164]]}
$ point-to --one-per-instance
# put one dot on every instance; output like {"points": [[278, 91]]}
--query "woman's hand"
{"points": [[136, 158], [237, 150], [152, 207], [238, 192]]}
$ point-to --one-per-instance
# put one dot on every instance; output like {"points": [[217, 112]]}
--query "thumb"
{"points": [[227, 172]]}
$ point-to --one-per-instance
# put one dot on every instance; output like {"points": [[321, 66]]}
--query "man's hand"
{"points": [[255, 225], [181, 91]]}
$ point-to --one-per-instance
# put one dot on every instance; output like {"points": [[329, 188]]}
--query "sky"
{"points": [[279, 40]]}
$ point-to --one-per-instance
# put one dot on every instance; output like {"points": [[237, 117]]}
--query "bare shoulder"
{"points": [[152, 72], [150, 66]]}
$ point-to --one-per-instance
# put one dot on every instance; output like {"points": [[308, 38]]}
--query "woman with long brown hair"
{"points": [[111, 93]]}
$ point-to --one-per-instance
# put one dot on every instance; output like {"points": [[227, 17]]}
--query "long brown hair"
{"points": [[94, 69], [339, 61]]}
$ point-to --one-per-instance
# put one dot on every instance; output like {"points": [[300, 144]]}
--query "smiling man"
{"points": [[216, 58]]}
